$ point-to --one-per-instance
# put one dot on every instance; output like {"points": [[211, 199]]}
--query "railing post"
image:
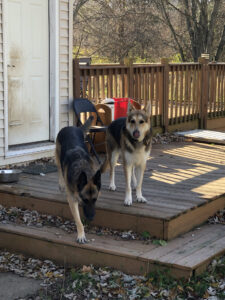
{"points": [[130, 76], [165, 92], [131, 82], [76, 78], [204, 97]]}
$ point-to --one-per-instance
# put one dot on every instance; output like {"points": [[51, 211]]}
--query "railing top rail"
{"points": [[147, 65], [217, 63], [102, 67], [184, 64]]}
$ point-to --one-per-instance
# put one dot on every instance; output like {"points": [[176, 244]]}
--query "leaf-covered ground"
{"points": [[89, 282]]}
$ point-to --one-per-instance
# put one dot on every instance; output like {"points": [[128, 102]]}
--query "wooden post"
{"points": [[76, 79], [165, 98], [131, 82], [130, 85], [204, 97]]}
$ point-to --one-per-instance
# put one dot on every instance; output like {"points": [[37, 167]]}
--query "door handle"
{"points": [[11, 66]]}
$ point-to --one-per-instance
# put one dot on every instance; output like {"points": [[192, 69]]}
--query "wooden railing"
{"points": [[182, 95]]}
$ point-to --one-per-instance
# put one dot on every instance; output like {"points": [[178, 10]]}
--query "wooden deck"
{"points": [[184, 184]]}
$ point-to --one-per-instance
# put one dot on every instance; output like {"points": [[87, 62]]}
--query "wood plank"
{"points": [[193, 218], [181, 90], [172, 93], [176, 94], [186, 244], [212, 249], [189, 91], [146, 86], [200, 240]]}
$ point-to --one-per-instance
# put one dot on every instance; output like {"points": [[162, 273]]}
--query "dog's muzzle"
{"points": [[89, 212], [136, 134]]}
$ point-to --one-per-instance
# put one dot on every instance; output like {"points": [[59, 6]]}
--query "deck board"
{"points": [[180, 179]]}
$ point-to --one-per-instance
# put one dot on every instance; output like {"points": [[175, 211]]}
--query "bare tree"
{"points": [[204, 24], [120, 28], [149, 29], [77, 6]]}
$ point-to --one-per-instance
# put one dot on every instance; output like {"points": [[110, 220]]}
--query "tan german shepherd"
{"points": [[132, 138], [76, 173]]}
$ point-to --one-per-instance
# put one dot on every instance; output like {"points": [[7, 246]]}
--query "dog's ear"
{"points": [[97, 179], [148, 108], [82, 181], [130, 107]]}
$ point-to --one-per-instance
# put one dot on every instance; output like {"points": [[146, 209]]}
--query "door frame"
{"points": [[53, 14]]}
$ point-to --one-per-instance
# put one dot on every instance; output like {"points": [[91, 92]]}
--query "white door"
{"points": [[28, 71]]}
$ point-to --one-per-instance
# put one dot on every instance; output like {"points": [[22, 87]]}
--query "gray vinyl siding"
{"points": [[65, 65], [1, 85]]}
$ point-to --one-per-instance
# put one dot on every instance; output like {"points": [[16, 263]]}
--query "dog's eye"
{"points": [[132, 121], [141, 121]]}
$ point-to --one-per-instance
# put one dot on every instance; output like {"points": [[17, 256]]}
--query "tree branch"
{"points": [[212, 23], [77, 6], [221, 45], [173, 31]]}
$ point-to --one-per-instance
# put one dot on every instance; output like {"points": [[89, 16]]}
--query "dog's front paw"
{"points": [[112, 187], [128, 201], [141, 199], [81, 239]]}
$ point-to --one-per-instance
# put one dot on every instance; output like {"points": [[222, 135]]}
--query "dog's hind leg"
{"points": [[74, 207], [140, 173], [61, 181], [60, 174], [112, 161]]}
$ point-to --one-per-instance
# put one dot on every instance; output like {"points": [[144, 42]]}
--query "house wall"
{"points": [[65, 81], [2, 91], [65, 66]]}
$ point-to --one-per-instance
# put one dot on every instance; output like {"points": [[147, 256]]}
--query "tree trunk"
{"points": [[221, 46]]}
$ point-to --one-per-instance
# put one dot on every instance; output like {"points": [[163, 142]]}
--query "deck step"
{"points": [[185, 256], [201, 135], [121, 218]]}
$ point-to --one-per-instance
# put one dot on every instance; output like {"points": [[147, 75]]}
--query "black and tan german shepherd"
{"points": [[76, 173], [130, 137]]}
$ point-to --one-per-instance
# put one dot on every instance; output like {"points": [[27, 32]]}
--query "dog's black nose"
{"points": [[136, 134], [89, 212], [90, 218]]}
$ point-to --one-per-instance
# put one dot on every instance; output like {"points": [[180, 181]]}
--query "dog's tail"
{"points": [[87, 125]]}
